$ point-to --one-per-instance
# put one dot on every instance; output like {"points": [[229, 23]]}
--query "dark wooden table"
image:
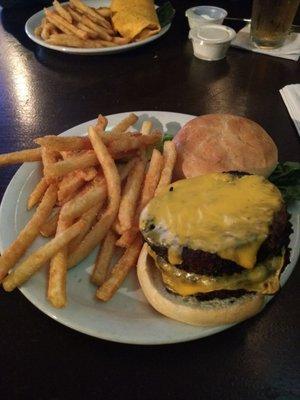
{"points": [[46, 92]]}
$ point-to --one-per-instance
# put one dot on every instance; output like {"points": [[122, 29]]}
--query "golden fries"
{"points": [[113, 183], [58, 271], [60, 168], [130, 195], [37, 193], [120, 271], [90, 218], [21, 156], [28, 267], [62, 11], [91, 13], [59, 143], [64, 25], [117, 143], [27, 235], [80, 201], [152, 179], [150, 184], [125, 124], [103, 260], [72, 182], [49, 227], [81, 26], [92, 194], [169, 162]]}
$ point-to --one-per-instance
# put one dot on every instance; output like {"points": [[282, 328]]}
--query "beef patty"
{"points": [[204, 263]]}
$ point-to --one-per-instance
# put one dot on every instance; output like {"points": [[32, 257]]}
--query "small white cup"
{"points": [[205, 15], [211, 41]]}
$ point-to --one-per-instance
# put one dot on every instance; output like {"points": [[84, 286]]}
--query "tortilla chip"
{"points": [[135, 18]]}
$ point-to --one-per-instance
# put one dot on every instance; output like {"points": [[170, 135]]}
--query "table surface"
{"points": [[46, 92]]}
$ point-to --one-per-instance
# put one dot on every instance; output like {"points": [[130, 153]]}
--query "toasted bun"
{"points": [[223, 142], [193, 312]]}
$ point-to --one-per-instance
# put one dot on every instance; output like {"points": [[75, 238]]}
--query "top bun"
{"points": [[221, 143]]}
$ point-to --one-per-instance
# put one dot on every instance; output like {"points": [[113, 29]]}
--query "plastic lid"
{"points": [[207, 12], [213, 33]]}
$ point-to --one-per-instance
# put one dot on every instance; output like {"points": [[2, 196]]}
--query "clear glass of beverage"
{"points": [[271, 21]]}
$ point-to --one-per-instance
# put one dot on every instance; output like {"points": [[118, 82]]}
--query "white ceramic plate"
{"points": [[127, 318], [36, 19]]}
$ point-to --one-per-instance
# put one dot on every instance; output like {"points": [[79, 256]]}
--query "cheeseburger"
{"points": [[216, 243]]}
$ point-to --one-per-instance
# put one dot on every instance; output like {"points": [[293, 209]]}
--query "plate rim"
{"points": [[46, 309], [82, 51]]}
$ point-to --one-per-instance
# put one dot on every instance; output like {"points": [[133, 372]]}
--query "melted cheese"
{"points": [[217, 213], [264, 278]]}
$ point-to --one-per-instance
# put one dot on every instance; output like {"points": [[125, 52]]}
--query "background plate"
{"points": [[36, 19], [127, 318]]}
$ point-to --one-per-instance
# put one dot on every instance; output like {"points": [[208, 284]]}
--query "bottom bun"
{"points": [[189, 310]]}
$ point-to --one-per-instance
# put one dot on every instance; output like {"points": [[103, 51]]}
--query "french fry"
{"points": [[127, 237], [38, 31], [38, 258], [47, 29], [117, 143], [72, 182], [27, 235], [93, 193], [37, 193], [61, 143], [146, 127], [120, 271], [87, 174], [91, 13], [113, 182], [22, 156], [130, 195], [169, 155], [75, 15], [103, 259], [58, 272], [151, 180], [68, 186], [125, 124], [102, 32], [70, 40], [131, 142], [62, 11], [89, 217], [50, 225], [116, 226], [92, 34], [125, 169], [64, 25], [49, 157], [117, 148], [101, 123], [85, 160], [150, 184]]}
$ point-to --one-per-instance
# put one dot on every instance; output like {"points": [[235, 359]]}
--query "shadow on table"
{"points": [[13, 21]]}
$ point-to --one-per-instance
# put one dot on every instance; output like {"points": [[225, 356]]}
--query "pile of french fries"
{"points": [[78, 25], [92, 192]]}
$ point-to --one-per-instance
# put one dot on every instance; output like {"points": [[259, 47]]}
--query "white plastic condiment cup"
{"points": [[205, 15], [211, 41]]}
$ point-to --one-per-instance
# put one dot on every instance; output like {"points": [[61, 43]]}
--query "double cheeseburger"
{"points": [[216, 243]]}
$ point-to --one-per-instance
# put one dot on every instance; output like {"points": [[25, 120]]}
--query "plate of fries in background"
{"points": [[84, 27]]}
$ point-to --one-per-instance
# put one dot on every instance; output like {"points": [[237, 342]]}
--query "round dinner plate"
{"points": [[127, 318], [36, 19]]}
